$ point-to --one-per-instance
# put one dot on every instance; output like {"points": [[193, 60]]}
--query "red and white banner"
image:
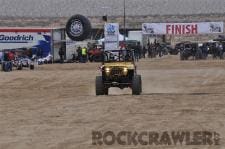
{"points": [[182, 28]]}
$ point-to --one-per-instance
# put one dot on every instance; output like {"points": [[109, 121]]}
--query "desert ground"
{"points": [[55, 107]]}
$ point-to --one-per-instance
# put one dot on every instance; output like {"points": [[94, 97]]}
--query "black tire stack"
{"points": [[78, 28]]}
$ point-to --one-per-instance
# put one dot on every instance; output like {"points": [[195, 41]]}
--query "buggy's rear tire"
{"points": [[99, 86], [106, 91], [139, 77], [136, 85], [182, 57], [78, 28], [32, 67], [19, 67]]}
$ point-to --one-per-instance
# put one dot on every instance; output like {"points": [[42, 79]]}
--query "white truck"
{"points": [[135, 35]]}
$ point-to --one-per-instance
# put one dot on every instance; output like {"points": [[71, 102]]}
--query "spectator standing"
{"points": [[79, 54], [136, 54], [61, 54], [144, 51], [204, 51], [149, 50], [84, 54], [220, 50], [11, 56], [139, 50], [1, 56]]}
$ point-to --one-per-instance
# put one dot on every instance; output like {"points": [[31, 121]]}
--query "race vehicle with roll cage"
{"points": [[118, 67], [118, 70], [23, 62], [15, 58], [190, 49], [95, 52], [45, 60], [22, 59]]}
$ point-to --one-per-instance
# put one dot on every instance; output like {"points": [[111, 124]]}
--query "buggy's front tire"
{"points": [[139, 77], [99, 86], [136, 85], [106, 91]]}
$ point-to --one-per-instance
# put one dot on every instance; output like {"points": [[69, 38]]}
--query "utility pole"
{"points": [[105, 16], [124, 22]]}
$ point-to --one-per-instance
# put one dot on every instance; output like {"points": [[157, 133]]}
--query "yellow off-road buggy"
{"points": [[118, 70]]}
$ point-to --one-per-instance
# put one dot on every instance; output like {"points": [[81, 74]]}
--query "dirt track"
{"points": [[55, 106]]}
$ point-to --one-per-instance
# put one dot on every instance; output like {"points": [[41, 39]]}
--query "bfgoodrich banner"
{"points": [[16, 38], [183, 28]]}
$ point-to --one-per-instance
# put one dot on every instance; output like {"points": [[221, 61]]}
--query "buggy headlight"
{"points": [[125, 70], [107, 70]]}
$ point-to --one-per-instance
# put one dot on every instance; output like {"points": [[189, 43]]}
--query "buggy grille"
{"points": [[117, 71]]}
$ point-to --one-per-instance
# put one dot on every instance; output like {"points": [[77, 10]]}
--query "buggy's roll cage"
{"points": [[118, 56]]}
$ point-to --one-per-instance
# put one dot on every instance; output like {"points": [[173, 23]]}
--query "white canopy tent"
{"points": [[121, 38]]}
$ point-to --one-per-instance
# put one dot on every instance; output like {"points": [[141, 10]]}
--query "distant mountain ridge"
{"points": [[66, 8]]}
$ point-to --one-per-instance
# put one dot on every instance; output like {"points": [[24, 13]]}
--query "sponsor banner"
{"points": [[13, 40], [111, 32], [29, 39], [183, 28]]}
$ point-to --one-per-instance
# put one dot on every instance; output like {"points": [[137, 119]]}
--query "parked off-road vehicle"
{"points": [[118, 70], [95, 53], [188, 49]]}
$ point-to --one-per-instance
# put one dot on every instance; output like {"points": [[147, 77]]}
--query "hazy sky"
{"points": [[61, 8]]}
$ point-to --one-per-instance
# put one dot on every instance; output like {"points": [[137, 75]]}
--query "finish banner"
{"points": [[183, 28]]}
